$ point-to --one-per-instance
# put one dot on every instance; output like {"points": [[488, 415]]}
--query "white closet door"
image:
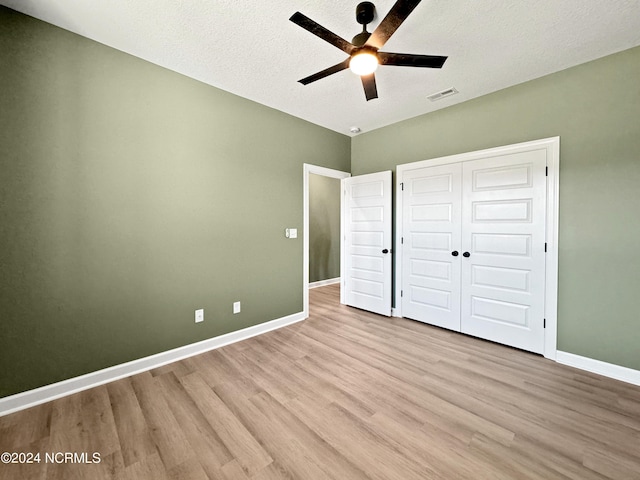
{"points": [[367, 211], [431, 245], [503, 231]]}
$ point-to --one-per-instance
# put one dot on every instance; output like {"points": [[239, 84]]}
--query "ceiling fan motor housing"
{"points": [[365, 12]]}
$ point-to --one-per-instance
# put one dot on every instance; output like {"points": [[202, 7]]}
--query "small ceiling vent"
{"points": [[444, 93]]}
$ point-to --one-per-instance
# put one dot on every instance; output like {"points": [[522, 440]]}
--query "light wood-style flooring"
{"points": [[344, 395]]}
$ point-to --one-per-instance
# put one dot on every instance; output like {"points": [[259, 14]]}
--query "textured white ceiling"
{"points": [[252, 49]]}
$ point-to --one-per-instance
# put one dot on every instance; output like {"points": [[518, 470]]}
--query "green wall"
{"points": [[131, 195], [595, 109], [324, 228]]}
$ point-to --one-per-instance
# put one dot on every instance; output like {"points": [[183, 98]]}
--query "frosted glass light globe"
{"points": [[363, 63]]}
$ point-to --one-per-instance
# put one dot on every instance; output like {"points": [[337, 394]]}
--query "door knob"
{"points": [[385, 251], [466, 254], [454, 253]]}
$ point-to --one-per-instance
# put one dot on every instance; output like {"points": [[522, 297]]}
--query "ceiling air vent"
{"points": [[444, 93]]}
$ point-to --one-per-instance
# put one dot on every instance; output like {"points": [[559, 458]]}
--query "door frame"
{"points": [[325, 172], [552, 146]]}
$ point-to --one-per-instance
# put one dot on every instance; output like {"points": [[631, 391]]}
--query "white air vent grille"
{"points": [[444, 93]]}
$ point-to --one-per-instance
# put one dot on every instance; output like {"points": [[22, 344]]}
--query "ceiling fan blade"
{"points": [[369, 84], [389, 24], [326, 72], [319, 31], [409, 60]]}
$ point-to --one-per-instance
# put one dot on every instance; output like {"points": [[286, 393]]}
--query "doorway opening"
{"points": [[320, 251]]}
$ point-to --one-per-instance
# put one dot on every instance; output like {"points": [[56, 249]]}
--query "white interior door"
{"points": [[503, 240], [367, 237], [431, 199]]}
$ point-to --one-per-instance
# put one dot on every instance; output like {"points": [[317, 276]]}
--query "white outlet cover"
{"points": [[200, 315], [236, 307], [293, 233]]}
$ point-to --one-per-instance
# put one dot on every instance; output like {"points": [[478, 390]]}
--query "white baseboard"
{"points": [[31, 398], [323, 283], [610, 370]]}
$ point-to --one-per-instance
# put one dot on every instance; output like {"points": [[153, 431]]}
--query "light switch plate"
{"points": [[291, 233], [236, 307], [200, 315]]}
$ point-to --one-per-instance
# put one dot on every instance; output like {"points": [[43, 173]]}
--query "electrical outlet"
{"points": [[200, 315], [236, 307]]}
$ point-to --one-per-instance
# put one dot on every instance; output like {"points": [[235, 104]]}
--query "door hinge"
{"points": [[544, 323], [402, 240], [545, 247], [402, 293], [546, 171], [402, 186]]}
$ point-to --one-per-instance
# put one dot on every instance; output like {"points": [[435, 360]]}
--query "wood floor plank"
{"points": [[320, 453], [520, 411], [133, 433], [346, 394], [612, 464], [24, 428], [281, 342], [444, 454], [215, 368], [179, 369], [189, 470], [165, 430], [244, 448], [209, 449], [548, 455], [288, 449], [233, 471], [420, 402], [502, 458], [264, 378], [363, 446], [273, 472], [149, 467], [84, 422]]}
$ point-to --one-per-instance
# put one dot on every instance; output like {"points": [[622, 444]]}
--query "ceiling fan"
{"points": [[364, 50]]}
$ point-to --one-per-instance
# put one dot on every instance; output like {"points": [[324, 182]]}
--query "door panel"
{"points": [[367, 211], [495, 243], [503, 230], [431, 232]]}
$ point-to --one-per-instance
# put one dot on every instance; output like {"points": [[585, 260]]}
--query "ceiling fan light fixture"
{"points": [[363, 63], [363, 51]]}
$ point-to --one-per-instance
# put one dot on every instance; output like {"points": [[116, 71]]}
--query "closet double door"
{"points": [[473, 247]]}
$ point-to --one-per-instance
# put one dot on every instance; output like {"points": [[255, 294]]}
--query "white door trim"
{"points": [[325, 172], [552, 145]]}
